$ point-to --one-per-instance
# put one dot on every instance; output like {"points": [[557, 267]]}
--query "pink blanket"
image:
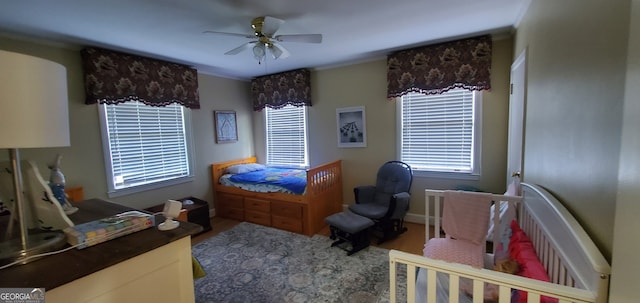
{"points": [[456, 251], [466, 215]]}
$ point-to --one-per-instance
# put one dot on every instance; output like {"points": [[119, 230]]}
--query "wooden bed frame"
{"points": [[577, 269], [303, 214]]}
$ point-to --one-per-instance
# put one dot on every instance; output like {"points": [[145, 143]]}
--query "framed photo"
{"points": [[352, 127], [226, 127]]}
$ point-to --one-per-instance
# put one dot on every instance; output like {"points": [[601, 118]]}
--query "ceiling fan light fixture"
{"points": [[275, 51], [259, 52]]}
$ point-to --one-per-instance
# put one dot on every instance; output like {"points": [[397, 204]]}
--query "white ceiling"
{"points": [[353, 30]]}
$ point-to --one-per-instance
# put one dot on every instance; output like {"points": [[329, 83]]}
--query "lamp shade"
{"points": [[33, 102]]}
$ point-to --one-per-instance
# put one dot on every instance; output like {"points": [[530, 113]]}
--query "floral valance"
{"points": [[278, 90], [435, 69], [113, 77]]}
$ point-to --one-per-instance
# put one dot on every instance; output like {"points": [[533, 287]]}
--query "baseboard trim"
{"points": [[410, 217]]}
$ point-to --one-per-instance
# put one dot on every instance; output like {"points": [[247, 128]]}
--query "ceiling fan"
{"points": [[264, 29]]}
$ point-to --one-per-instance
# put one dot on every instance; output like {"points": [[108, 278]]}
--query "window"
{"points": [[287, 136], [145, 147], [441, 133]]}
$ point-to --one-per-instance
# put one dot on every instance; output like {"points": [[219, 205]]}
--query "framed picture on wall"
{"points": [[352, 127], [226, 127]]}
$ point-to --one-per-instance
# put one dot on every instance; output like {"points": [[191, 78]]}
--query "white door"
{"points": [[516, 116]]}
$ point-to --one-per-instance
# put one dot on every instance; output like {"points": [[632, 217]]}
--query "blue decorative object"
{"points": [[57, 182]]}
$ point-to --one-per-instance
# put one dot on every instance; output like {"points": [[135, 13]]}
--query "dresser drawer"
{"points": [[257, 217], [292, 225], [257, 205], [287, 210]]}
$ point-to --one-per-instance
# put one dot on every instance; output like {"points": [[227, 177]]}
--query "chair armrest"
{"points": [[364, 194], [400, 205]]}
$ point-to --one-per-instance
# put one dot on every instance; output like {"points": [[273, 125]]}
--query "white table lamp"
{"points": [[33, 114]]}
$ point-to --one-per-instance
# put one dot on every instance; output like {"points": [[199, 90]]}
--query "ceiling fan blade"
{"points": [[271, 25], [240, 48], [230, 34], [278, 51], [305, 38]]}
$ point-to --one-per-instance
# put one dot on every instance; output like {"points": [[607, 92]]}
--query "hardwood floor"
{"points": [[412, 241]]}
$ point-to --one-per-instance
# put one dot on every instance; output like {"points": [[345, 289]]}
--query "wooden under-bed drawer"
{"points": [[257, 205], [232, 213], [231, 206], [231, 200], [257, 217], [287, 210], [293, 225]]}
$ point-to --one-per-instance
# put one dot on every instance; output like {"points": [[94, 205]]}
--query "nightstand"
{"points": [[197, 211]]}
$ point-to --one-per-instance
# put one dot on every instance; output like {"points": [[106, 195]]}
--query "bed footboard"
{"points": [[324, 192]]}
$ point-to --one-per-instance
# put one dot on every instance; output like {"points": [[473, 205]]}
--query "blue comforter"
{"points": [[294, 180]]}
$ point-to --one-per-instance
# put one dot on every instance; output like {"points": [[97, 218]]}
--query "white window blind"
{"points": [[438, 131], [145, 144], [286, 136]]}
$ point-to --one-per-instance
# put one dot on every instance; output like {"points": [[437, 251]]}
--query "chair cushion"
{"points": [[457, 251], [381, 198], [349, 222], [369, 210], [393, 177]]}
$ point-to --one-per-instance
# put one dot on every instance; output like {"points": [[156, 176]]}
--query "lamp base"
{"points": [[12, 250]]}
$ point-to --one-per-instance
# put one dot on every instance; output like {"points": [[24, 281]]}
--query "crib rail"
{"points": [[401, 262], [577, 270], [562, 245]]}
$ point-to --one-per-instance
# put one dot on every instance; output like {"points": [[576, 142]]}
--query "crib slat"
{"points": [[478, 291], [431, 286], [411, 282], [392, 281], [504, 294], [533, 297], [454, 285]]}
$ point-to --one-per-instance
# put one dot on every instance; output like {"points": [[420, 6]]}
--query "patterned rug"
{"points": [[254, 263]]}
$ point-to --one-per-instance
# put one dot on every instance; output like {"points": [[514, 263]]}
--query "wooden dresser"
{"points": [[145, 266]]}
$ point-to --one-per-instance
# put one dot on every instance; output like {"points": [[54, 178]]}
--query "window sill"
{"points": [[146, 187], [445, 175]]}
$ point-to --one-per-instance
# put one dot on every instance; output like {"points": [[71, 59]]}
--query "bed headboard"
{"points": [[219, 169], [567, 252]]}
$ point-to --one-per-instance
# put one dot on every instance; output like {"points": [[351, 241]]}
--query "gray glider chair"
{"points": [[387, 202]]}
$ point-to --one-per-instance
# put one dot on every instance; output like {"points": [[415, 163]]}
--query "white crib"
{"points": [[576, 268]]}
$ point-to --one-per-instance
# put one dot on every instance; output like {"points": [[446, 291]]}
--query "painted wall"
{"points": [[625, 266], [365, 85], [575, 88], [83, 162], [356, 85]]}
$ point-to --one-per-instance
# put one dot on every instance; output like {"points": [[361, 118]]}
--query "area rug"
{"points": [[254, 263]]}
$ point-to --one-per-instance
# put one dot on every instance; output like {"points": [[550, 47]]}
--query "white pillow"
{"points": [[244, 168]]}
